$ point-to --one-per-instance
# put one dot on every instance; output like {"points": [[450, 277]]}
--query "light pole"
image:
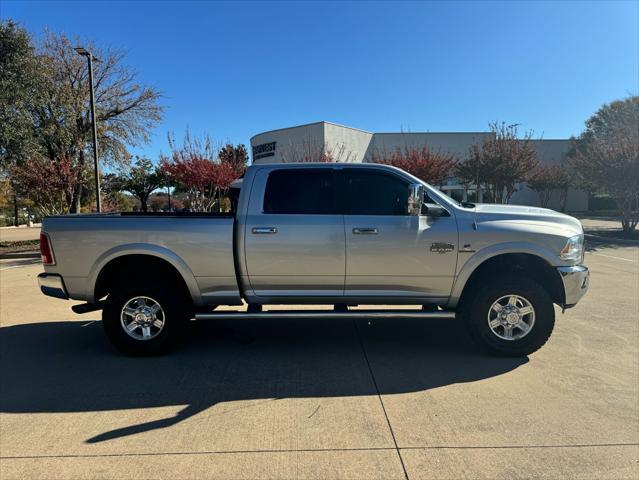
{"points": [[90, 58]]}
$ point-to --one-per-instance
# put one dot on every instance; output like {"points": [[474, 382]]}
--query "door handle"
{"points": [[264, 230], [365, 231]]}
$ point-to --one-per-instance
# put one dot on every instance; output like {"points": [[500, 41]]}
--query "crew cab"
{"points": [[321, 234]]}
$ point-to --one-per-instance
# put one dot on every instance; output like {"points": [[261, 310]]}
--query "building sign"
{"points": [[264, 150]]}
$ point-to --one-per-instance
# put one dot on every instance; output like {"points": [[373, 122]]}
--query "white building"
{"points": [[347, 144]]}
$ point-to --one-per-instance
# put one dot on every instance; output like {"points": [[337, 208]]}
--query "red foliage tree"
{"points": [[432, 167], [197, 177], [547, 179], [204, 174], [50, 184], [500, 163]]}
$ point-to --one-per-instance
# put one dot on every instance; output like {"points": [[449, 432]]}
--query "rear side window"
{"points": [[375, 193], [304, 192]]}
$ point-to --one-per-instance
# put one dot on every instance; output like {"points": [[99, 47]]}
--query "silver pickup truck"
{"points": [[321, 234]]}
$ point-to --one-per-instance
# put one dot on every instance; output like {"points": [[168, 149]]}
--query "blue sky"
{"points": [[236, 69]]}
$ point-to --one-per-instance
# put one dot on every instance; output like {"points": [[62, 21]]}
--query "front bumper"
{"points": [[576, 281], [52, 285]]}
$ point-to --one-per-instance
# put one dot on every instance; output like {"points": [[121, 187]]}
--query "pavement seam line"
{"points": [[319, 450], [370, 369]]}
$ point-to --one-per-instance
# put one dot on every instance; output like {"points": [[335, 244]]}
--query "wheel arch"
{"points": [[158, 258], [532, 263]]}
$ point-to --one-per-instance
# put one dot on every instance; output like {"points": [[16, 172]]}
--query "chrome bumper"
{"points": [[52, 285], [576, 280]]}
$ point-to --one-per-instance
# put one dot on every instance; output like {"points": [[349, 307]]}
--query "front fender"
{"points": [[143, 249], [479, 257]]}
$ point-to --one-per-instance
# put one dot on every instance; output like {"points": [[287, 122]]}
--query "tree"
{"points": [[20, 80], [59, 115], [499, 163], [142, 179], [236, 157], [203, 172], [116, 201], [548, 179], [50, 185], [606, 156], [311, 150], [432, 167], [6, 194]]}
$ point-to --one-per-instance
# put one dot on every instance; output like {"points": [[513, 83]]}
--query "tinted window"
{"points": [[371, 193], [308, 192]]}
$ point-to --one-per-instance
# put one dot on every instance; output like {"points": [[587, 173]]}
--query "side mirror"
{"points": [[415, 198], [434, 210]]}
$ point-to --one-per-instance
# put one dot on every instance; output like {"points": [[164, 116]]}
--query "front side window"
{"points": [[302, 192], [375, 193]]}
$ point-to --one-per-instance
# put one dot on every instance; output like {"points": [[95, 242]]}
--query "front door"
{"points": [[294, 241], [391, 254]]}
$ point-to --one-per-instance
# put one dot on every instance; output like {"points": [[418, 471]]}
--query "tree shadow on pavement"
{"points": [[70, 367]]}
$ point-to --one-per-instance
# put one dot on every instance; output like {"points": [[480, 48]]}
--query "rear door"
{"points": [[294, 240], [390, 254]]}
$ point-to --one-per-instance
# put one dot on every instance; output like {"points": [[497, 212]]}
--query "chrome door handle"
{"points": [[365, 231], [264, 230]]}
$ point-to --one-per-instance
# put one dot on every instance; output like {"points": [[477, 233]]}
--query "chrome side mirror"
{"points": [[415, 198]]}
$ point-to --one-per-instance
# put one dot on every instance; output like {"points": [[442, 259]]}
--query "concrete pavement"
{"points": [[14, 234], [321, 399]]}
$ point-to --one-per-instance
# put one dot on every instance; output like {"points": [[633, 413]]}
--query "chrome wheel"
{"points": [[511, 317], [142, 318]]}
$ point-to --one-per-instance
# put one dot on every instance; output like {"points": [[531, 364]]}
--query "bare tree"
{"points": [[311, 149], [126, 110]]}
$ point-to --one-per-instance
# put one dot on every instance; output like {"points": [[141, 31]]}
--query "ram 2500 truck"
{"points": [[324, 234]]}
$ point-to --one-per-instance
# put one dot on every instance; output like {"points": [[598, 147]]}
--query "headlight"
{"points": [[574, 249]]}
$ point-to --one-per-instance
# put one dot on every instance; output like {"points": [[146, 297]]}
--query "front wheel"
{"points": [[143, 320], [512, 316]]}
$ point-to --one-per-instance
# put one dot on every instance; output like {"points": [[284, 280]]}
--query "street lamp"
{"points": [[90, 58]]}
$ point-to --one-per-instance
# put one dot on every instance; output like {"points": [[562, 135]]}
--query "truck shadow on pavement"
{"points": [[68, 366]]}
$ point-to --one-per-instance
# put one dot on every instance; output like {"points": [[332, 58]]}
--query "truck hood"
{"points": [[528, 215]]}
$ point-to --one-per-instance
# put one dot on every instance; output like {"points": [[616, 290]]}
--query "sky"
{"points": [[233, 70]]}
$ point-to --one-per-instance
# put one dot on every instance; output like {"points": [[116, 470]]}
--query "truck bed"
{"points": [[200, 245]]}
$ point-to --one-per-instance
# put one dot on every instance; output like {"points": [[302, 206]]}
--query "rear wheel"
{"points": [[512, 316], [144, 320]]}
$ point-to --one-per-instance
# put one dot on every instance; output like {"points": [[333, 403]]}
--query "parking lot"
{"points": [[321, 399]]}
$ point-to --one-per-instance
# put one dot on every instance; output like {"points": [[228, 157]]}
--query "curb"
{"points": [[600, 239], [10, 255]]}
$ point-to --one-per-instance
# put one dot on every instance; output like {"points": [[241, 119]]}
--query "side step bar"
{"points": [[87, 307], [221, 315]]}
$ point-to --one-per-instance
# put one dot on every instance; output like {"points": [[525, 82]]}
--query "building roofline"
{"points": [[308, 125], [350, 128], [432, 133], [324, 122], [285, 128], [549, 139]]}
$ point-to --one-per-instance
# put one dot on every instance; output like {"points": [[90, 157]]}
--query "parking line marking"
{"points": [[617, 258]]}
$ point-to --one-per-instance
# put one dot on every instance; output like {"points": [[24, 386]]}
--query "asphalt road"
{"points": [[321, 399]]}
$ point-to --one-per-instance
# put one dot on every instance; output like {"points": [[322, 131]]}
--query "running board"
{"points": [[221, 315]]}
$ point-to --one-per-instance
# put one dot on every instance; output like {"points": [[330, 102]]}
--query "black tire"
{"points": [[476, 310], [176, 311]]}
